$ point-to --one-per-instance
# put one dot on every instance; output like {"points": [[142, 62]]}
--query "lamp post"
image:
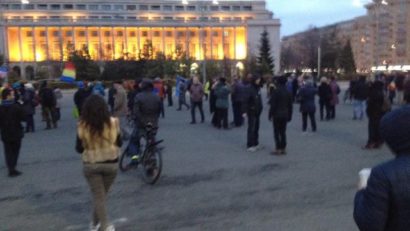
{"points": [[202, 34], [378, 7]]}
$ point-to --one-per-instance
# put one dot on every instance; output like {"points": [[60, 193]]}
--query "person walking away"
{"points": [[111, 99], [335, 97], [280, 113], [59, 97], [325, 95], [237, 98], [11, 129], [375, 111], [30, 102], [197, 94], [307, 104], [169, 93], [99, 142], [160, 90], [359, 91], [182, 95], [98, 89], [212, 102], [383, 204], [48, 103], [252, 108], [207, 87], [80, 96], [120, 108], [222, 92]]}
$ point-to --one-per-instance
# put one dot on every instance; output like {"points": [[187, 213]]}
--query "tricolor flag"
{"points": [[3, 72], [68, 73]]}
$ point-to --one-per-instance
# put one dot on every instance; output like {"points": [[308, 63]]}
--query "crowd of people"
{"points": [[104, 119]]}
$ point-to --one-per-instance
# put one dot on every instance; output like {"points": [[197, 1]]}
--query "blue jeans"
{"points": [[359, 106]]}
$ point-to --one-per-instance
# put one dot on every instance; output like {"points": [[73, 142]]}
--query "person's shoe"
{"points": [[110, 228], [94, 227], [252, 149], [14, 173]]}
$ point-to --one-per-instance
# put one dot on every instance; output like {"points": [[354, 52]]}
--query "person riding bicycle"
{"points": [[146, 110]]}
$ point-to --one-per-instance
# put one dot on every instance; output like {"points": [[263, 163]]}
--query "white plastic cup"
{"points": [[364, 175]]}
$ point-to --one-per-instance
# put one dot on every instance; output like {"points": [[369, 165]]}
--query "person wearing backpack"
{"points": [[48, 104]]}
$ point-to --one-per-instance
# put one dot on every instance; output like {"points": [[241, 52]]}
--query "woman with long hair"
{"points": [[98, 140]]}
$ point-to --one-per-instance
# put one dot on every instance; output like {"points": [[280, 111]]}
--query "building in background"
{"points": [[206, 29], [380, 39]]}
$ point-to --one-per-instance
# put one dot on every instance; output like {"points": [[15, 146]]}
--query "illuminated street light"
{"points": [[25, 1], [185, 2], [393, 46], [215, 2]]}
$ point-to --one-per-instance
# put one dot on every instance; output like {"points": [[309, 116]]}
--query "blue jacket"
{"points": [[385, 204], [307, 98]]}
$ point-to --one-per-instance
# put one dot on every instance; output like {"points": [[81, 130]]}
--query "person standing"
{"points": [[59, 95], [212, 102], [30, 102], [222, 92], [252, 108], [237, 98], [335, 97], [111, 99], [375, 111], [159, 89], [383, 204], [182, 95], [307, 104], [280, 113], [81, 95], [325, 95], [197, 94], [359, 92], [98, 141], [121, 108], [11, 130], [169, 93], [48, 103]]}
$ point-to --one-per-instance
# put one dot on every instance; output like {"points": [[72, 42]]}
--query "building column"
{"points": [[112, 43], [60, 36], [34, 44], [100, 50], [73, 35], [163, 41], [188, 39], [211, 37], [20, 46], [126, 41], [234, 43], [6, 44], [200, 43], [138, 43], [175, 38]]}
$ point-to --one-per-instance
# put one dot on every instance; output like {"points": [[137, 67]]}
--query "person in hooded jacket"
{"points": [[383, 204], [252, 108], [307, 95]]}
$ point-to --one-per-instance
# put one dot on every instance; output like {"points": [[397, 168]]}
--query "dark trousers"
{"points": [[181, 102], [237, 114], [162, 109], [29, 123], [279, 130], [324, 110], [332, 111], [11, 152], [253, 130], [305, 116], [222, 117], [49, 116], [374, 133], [198, 105], [170, 101]]}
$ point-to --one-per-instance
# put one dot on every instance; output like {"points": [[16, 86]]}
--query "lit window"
{"points": [[120, 33], [81, 33], [28, 17], [42, 17], [181, 34], [157, 34], [94, 33], [168, 34], [42, 6], [29, 34], [156, 18], [144, 34], [68, 33], [144, 18], [133, 34], [192, 33], [215, 33], [56, 33], [42, 33], [107, 33]]}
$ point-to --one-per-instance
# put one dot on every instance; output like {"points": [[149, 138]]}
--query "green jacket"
{"points": [[222, 96]]}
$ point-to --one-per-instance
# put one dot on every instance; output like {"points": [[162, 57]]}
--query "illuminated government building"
{"points": [[41, 30]]}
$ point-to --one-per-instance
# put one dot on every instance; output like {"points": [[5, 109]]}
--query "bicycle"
{"points": [[150, 157]]}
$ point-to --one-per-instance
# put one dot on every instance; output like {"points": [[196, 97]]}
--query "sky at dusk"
{"points": [[297, 15]]}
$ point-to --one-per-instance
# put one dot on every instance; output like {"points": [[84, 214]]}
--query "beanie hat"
{"points": [[395, 130]]}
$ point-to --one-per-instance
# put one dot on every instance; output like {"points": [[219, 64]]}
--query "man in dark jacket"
{"points": [[384, 204], [375, 113], [325, 94], [359, 94], [237, 98], [48, 103], [307, 104], [252, 108], [281, 108], [11, 116], [81, 95], [222, 92]]}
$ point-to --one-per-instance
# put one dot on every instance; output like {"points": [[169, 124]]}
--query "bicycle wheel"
{"points": [[125, 161], [151, 165]]}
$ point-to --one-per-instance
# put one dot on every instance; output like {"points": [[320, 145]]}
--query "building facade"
{"points": [[380, 39], [213, 30]]}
